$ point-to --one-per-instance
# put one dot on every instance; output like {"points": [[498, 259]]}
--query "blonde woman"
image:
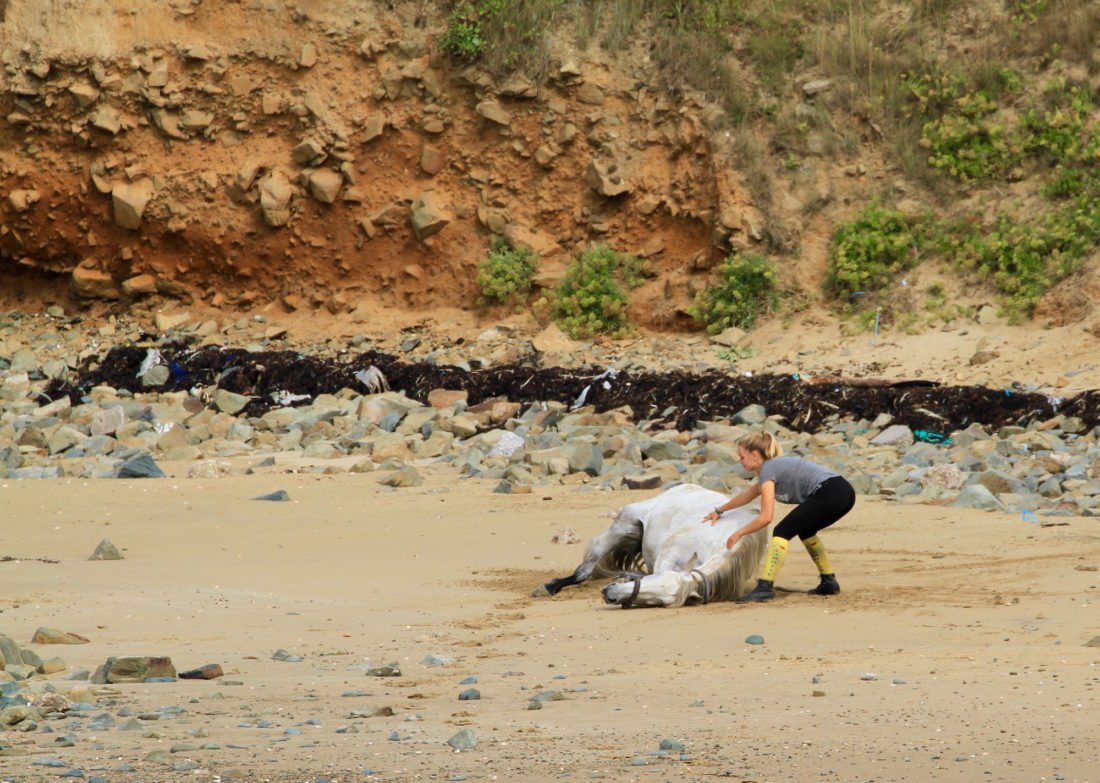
{"points": [[821, 497]]}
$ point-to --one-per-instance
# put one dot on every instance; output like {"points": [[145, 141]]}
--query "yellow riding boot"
{"points": [[773, 561], [828, 584]]}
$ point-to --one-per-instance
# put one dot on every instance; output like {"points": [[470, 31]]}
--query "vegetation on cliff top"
{"points": [[987, 110]]}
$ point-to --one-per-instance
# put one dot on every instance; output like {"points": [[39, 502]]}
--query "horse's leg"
{"points": [[625, 531]]}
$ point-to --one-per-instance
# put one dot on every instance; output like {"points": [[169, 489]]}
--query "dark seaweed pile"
{"points": [[679, 399]]}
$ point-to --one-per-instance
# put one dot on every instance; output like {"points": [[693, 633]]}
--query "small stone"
{"points": [[210, 671], [106, 551], [286, 657], [868, 676], [898, 681], [673, 745], [470, 694], [140, 466], [437, 660], [46, 635], [278, 495], [389, 670], [463, 740], [754, 639]]}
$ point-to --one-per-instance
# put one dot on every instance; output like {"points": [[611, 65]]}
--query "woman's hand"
{"points": [[712, 517], [731, 542]]}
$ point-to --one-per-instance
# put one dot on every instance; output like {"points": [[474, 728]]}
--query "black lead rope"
{"points": [[637, 586], [706, 585]]}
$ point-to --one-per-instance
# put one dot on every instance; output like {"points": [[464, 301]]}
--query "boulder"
{"points": [[93, 283], [276, 193], [46, 635], [139, 285], [129, 200], [133, 669], [429, 215], [324, 185], [606, 179], [494, 112]]}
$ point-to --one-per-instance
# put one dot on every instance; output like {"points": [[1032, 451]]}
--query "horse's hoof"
{"points": [[540, 592]]}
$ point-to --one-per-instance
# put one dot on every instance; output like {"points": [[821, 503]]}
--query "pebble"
{"points": [[278, 495], [754, 638], [868, 676], [898, 681], [470, 694]]}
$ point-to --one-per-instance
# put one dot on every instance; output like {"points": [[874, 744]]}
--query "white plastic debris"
{"points": [[284, 398], [373, 379], [151, 360], [612, 374]]}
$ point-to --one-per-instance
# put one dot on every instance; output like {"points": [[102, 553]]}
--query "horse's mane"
{"points": [[726, 575]]}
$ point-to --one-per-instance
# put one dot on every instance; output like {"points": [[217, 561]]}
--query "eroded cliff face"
{"points": [[330, 157]]}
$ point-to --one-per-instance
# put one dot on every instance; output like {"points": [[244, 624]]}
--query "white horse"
{"points": [[665, 555]]}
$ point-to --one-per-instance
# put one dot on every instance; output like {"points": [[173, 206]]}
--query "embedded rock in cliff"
{"points": [[324, 185], [429, 215], [93, 283], [606, 179], [130, 200], [276, 193]]}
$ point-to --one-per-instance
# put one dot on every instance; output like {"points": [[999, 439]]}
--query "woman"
{"points": [[821, 497]]}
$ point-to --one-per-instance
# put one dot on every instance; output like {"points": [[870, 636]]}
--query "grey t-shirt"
{"points": [[795, 478]]}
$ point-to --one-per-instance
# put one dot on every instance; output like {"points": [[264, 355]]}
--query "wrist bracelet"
{"points": [[717, 511]]}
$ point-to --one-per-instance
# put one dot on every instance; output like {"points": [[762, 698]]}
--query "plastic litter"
{"points": [[612, 374], [151, 360], [373, 379], [284, 399]]}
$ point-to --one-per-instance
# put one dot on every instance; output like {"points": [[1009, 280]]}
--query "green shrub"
{"points": [[1024, 259], [746, 288], [465, 37], [593, 297], [971, 144], [868, 252], [505, 276]]}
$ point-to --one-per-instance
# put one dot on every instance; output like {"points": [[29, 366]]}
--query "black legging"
{"points": [[829, 502]]}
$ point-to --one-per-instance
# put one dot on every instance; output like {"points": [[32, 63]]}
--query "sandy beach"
{"points": [[974, 625]]}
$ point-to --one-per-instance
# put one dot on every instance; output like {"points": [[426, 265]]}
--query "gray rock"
{"points": [[156, 376], [894, 435], [463, 740], [389, 670], [278, 495], [751, 415], [106, 551], [978, 497], [140, 466], [228, 402], [470, 694], [437, 660]]}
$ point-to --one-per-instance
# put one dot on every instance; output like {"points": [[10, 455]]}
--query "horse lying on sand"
{"points": [[664, 555]]}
